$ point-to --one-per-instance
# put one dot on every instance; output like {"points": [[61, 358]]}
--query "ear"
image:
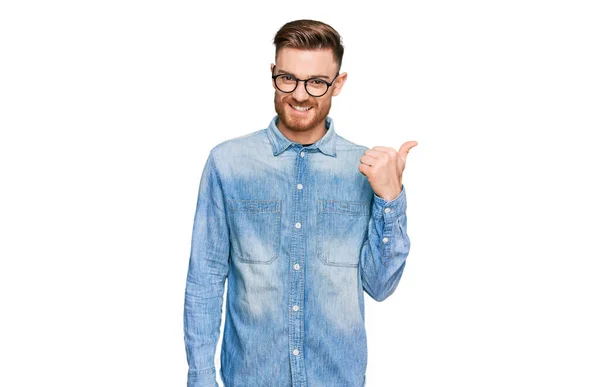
{"points": [[273, 81], [339, 83]]}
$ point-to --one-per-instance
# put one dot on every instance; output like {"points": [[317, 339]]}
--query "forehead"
{"points": [[306, 62]]}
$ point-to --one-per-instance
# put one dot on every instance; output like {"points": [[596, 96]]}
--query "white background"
{"points": [[107, 113]]}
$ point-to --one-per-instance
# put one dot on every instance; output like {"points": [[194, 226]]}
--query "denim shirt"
{"points": [[299, 234]]}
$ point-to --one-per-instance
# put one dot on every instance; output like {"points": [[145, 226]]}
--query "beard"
{"points": [[296, 123]]}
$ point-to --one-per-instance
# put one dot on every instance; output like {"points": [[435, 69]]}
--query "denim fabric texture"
{"points": [[299, 235]]}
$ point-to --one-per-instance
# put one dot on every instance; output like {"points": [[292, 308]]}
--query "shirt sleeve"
{"points": [[384, 252], [207, 271]]}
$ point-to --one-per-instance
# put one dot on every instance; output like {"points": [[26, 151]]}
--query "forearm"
{"points": [[202, 322], [384, 253]]}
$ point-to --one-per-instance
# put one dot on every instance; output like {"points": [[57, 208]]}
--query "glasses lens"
{"points": [[316, 87], [285, 83]]}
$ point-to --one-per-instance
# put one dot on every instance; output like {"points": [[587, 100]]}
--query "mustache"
{"points": [[292, 101]]}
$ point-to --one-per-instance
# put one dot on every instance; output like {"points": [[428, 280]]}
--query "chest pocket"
{"points": [[255, 230], [342, 228]]}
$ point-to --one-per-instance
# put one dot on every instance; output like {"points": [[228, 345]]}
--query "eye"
{"points": [[317, 81], [287, 77]]}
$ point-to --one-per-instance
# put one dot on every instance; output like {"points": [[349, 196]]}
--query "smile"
{"points": [[301, 109]]}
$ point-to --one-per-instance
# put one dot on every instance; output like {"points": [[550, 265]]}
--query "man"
{"points": [[301, 221]]}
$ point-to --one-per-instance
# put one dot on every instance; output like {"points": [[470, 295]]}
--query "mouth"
{"points": [[300, 109]]}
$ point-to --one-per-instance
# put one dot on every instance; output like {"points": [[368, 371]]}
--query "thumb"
{"points": [[405, 148]]}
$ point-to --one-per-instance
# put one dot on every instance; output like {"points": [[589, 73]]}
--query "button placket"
{"points": [[296, 294]]}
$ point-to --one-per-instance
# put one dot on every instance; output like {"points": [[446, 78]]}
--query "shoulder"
{"points": [[345, 145], [236, 144]]}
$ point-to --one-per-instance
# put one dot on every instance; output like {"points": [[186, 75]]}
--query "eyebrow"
{"points": [[280, 71]]}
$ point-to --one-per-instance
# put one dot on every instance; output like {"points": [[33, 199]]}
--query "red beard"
{"points": [[303, 121]]}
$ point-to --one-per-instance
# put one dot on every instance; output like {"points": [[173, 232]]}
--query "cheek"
{"points": [[278, 98]]}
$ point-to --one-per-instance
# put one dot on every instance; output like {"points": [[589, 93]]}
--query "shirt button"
{"points": [[295, 307], [387, 210], [295, 351], [299, 186], [301, 154], [385, 240], [298, 225], [296, 267]]}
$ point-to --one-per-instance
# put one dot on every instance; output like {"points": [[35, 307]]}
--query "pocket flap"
{"points": [[255, 205], [344, 207]]}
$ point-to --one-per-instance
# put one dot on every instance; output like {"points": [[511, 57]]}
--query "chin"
{"points": [[297, 125]]}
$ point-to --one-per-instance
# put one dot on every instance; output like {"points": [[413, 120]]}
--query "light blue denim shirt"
{"points": [[299, 234]]}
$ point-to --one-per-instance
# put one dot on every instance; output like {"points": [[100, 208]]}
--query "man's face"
{"points": [[305, 64]]}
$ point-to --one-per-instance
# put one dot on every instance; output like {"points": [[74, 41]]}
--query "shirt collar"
{"points": [[279, 142]]}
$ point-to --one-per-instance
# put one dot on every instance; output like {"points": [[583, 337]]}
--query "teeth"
{"points": [[302, 109]]}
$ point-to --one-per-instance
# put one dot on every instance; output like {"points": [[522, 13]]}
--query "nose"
{"points": [[300, 93]]}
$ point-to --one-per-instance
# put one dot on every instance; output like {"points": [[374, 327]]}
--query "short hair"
{"points": [[308, 34]]}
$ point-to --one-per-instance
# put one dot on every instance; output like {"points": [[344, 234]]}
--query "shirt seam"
{"points": [[214, 167]]}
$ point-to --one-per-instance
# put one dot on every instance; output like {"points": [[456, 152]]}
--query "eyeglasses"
{"points": [[316, 87]]}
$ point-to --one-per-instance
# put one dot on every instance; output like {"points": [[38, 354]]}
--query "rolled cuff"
{"points": [[389, 210]]}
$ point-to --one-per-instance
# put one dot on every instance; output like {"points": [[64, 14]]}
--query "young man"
{"points": [[301, 221]]}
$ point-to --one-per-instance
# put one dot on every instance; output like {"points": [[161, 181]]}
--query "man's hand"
{"points": [[383, 167]]}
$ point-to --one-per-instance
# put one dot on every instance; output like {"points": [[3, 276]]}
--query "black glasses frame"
{"points": [[305, 83]]}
